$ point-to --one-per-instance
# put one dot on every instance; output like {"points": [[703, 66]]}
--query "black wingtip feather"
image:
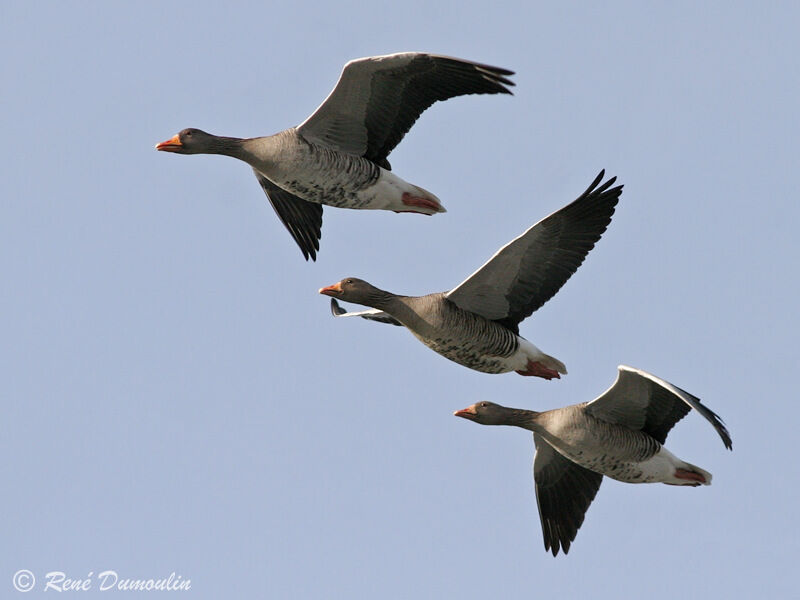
{"points": [[576, 228], [426, 79], [714, 418], [593, 189], [302, 219], [336, 309]]}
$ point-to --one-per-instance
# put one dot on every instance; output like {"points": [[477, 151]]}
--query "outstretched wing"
{"points": [[372, 314], [303, 219], [378, 99], [529, 270], [643, 401], [564, 491]]}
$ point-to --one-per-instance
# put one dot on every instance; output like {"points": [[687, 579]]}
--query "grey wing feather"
{"points": [[303, 219], [377, 99], [564, 491], [529, 270], [372, 314], [642, 401]]}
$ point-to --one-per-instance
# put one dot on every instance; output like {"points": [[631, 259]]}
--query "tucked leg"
{"points": [[411, 200], [537, 369], [690, 476]]}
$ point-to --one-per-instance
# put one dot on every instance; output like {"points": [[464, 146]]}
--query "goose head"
{"points": [[354, 290], [489, 413], [485, 413], [194, 141]]}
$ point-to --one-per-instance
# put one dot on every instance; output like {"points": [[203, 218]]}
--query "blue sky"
{"points": [[177, 397]]}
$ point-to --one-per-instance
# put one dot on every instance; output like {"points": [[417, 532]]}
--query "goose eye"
{"points": [[484, 405]]}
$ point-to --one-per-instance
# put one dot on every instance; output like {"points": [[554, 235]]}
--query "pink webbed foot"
{"points": [[690, 476], [537, 369], [410, 200]]}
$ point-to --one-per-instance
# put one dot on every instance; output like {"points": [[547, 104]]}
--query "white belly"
{"points": [[388, 194], [527, 352], [659, 468]]}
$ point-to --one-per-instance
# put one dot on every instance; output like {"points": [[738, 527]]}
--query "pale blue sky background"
{"points": [[177, 397]]}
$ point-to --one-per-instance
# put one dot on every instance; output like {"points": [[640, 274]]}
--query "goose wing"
{"points": [[377, 99], [303, 219], [645, 402], [564, 491], [372, 314], [529, 270]]}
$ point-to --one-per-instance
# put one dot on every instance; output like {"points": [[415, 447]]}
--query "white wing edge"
{"points": [[713, 418], [372, 314]]}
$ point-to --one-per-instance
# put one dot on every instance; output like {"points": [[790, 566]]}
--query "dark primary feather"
{"points": [[303, 219], [399, 96], [529, 270], [663, 413], [564, 491], [567, 237], [642, 401], [666, 409], [378, 98]]}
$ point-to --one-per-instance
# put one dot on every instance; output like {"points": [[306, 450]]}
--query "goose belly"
{"points": [[470, 357], [471, 353], [616, 452], [341, 189], [658, 468], [509, 353], [324, 176]]}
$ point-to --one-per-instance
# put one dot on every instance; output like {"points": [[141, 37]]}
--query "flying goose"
{"points": [[620, 435], [337, 156], [476, 324]]}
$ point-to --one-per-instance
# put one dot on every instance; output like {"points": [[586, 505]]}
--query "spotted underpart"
{"points": [[464, 337], [338, 179], [620, 451]]}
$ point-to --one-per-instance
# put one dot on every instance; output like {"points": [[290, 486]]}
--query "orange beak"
{"points": [[332, 290], [171, 145], [466, 413]]}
